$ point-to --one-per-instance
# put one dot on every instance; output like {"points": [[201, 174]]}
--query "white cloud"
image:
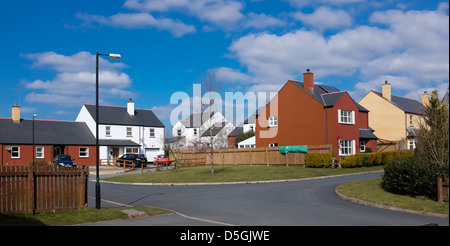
{"points": [[409, 47], [218, 12], [325, 18], [138, 21], [74, 82], [261, 21]]}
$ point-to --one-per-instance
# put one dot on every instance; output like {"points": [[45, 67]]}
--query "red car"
{"points": [[162, 159]]}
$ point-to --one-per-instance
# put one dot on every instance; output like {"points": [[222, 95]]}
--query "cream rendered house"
{"points": [[395, 119]]}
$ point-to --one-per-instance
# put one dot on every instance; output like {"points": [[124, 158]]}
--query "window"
{"points": [[273, 145], [39, 152], [362, 146], [15, 152], [195, 131], [84, 152], [132, 150], [251, 128], [411, 143], [346, 147], [129, 132], [179, 132], [410, 120], [152, 132], [273, 121], [108, 131], [346, 117]]}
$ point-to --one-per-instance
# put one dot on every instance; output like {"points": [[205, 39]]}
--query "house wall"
{"points": [[301, 119], [387, 120], [26, 154]]}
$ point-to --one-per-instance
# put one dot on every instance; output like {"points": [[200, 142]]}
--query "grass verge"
{"points": [[235, 174], [73, 217], [371, 191]]}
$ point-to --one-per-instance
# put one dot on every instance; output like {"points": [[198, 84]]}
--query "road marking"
{"points": [[183, 215]]}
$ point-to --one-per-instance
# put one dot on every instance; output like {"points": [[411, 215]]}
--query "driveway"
{"points": [[310, 202]]}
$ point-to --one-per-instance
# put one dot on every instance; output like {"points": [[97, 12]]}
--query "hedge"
{"points": [[357, 160], [409, 176], [373, 159], [318, 160]]}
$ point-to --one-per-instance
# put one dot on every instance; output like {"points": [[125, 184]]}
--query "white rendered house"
{"points": [[125, 130], [194, 129]]}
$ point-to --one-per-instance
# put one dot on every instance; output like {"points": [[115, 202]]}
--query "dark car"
{"points": [[137, 159], [64, 161], [162, 159]]}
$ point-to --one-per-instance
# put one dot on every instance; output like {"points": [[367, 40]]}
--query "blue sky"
{"points": [[48, 49]]}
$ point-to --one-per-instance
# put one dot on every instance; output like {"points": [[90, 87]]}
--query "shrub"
{"points": [[352, 161], [39, 163], [318, 160], [409, 176]]}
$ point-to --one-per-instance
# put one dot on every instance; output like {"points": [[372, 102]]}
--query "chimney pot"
{"points": [[308, 81]]}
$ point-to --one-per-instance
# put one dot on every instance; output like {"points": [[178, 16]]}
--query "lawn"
{"points": [[73, 217], [371, 191], [235, 174]]}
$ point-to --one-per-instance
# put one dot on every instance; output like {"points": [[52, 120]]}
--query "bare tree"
{"points": [[212, 87], [173, 146]]}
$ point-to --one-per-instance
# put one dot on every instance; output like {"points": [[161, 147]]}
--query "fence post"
{"points": [[439, 188]]}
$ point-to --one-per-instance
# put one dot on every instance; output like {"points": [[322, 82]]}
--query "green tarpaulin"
{"points": [[293, 149]]}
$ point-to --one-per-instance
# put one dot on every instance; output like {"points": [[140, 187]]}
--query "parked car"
{"points": [[64, 161], [137, 159], [162, 159]]}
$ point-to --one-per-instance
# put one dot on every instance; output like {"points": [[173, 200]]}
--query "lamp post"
{"points": [[97, 184], [34, 116]]}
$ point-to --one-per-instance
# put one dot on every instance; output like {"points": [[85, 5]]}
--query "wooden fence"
{"points": [[443, 195], [42, 189], [248, 156]]}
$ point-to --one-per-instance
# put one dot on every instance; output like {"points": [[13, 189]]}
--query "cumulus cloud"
{"points": [[325, 18], [139, 21], [409, 48], [74, 82], [218, 12]]}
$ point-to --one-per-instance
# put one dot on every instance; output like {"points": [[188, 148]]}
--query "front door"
{"points": [[115, 153]]}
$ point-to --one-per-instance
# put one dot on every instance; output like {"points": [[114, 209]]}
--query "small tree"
{"points": [[432, 140]]}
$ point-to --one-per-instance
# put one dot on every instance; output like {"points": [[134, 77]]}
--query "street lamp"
{"points": [[97, 184]]}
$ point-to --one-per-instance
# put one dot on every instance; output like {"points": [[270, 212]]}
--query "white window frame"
{"points": [[346, 147], [346, 117], [131, 150], [152, 132], [179, 132], [362, 146], [411, 143], [273, 145], [85, 151], [108, 131], [39, 154], [273, 121], [15, 151], [129, 131], [195, 131]]}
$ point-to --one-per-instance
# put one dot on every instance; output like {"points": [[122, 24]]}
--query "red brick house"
{"points": [[304, 113], [50, 139]]}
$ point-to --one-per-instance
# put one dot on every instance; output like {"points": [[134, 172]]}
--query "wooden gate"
{"points": [[42, 189]]}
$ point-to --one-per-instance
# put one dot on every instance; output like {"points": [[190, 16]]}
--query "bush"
{"points": [[409, 176], [318, 160], [373, 159], [39, 163]]}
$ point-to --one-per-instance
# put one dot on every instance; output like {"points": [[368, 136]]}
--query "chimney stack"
{"points": [[16, 113], [425, 99], [130, 107], [386, 90], [308, 81]]}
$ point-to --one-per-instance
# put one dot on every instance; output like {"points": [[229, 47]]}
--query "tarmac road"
{"points": [[309, 202]]}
